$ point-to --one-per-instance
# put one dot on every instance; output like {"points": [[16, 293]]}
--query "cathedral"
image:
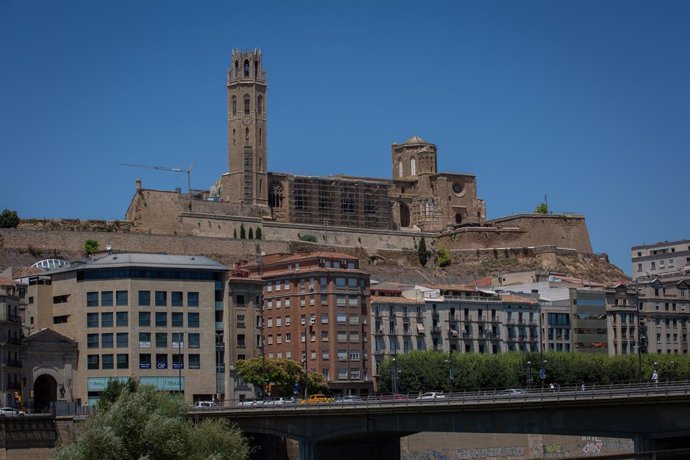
{"points": [[417, 196]]}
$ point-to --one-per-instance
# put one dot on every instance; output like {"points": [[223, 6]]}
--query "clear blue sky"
{"points": [[585, 101]]}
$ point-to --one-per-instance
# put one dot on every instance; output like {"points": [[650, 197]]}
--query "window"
{"points": [[144, 340], [193, 339], [106, 320], [239, 299], [176, 298], [324, 318], [400, 168], [246, 104], [92, 340], [92, 361], [342, 337], [192, 319], [246, 67], [260, 104], [107, 340], [340, 318], [92, 320], [145, 361], [178, 361], [192, 299], [194, 361], [108, 362], [122, 339], [161, 340], [161, 361], [107, 299], [288, 337], [92, 300], [144, 319], [161, 319], [161, 298], [122, 319], [340, 282], [144, 298], [234, 105], [177, 340], [177, 319], [122, 298]]}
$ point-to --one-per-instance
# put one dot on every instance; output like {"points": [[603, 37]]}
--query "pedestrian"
{"points": [[655, 377], [583, 387]]}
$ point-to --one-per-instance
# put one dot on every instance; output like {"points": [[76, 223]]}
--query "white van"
{"points": [[205, 405]]}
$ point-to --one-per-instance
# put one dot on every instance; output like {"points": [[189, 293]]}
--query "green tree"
{"points": [[542, 208], [243, 234], [443, 259], [251, 233], [147, 424], [91, 246], [258, 233], [9, 219], [114, 389], [281, 374], [422, 252]]}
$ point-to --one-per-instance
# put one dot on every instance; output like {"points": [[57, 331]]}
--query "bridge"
{"points": [[656, 417]]}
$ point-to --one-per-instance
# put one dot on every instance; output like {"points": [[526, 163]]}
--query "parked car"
{"points": [[206, 405], [10, 412], [431, 395], [348, 399], [511, 392], [317, 398]]}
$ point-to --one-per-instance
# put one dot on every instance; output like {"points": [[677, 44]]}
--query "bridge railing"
{"points": [[493, 396]]}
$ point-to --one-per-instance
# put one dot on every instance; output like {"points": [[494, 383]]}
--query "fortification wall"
{"points": [[73, 241], [525, 230]]}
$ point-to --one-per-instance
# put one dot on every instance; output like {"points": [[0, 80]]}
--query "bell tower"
{"points": [[246, 180]]}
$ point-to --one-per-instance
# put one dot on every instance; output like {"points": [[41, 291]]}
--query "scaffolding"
{"points": [[339, 201]]}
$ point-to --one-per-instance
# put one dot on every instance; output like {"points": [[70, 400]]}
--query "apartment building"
{"points": [[572, 312], [316, 311], [11, 366], [152, 316], [244, 326], [659, 259]]}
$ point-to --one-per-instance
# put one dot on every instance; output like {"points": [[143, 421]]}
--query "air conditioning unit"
{"points": [[312, 321]]}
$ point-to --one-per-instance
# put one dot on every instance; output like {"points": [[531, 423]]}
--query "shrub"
{"points": [[309, 238], [443, 259], [9, 219], [91, 246]]}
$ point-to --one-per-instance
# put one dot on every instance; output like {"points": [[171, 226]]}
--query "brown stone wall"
{"points": [[528, 230], [47, 241]]}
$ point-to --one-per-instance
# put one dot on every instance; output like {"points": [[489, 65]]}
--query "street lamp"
{"points": [[306, 351], [31, 368], [529, 373], [394, 378]]}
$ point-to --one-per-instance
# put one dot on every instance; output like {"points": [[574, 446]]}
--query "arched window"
{"points": [[260, 104], [246, 135], [275, 196], [256, 69], [246, 67], [246, 104], [237, 69], [400, 169], [261, 131], [413, 167], [234, 105], [233, 136]]}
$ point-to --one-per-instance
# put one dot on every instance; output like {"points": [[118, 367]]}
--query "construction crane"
{"points": [[163, 168]]}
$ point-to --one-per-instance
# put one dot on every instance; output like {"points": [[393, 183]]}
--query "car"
{"points": [[280, 401], [348, 399], [206, 405], [317, 398], [511, 392], [431, 395], [10, 412]]}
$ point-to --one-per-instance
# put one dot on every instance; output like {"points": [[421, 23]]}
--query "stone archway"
{"points": [[45, 392], [404, 215]]}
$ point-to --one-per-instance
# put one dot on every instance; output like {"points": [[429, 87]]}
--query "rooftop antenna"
{"points": [[546, 202], [163, 168]]}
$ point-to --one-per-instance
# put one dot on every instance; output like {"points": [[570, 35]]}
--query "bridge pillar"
{"points": [[306, 449]]}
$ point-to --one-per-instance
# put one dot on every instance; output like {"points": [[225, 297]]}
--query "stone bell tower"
{"points": [[246, 180]]}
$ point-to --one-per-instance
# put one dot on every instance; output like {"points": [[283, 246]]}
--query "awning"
{"points": [[420, 328]]}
